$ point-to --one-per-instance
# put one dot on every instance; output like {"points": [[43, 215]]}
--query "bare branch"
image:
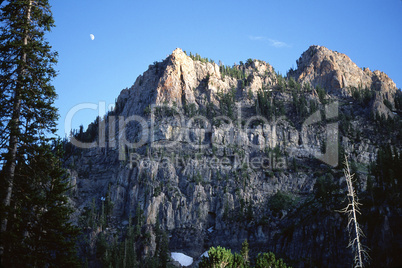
{"points": [[352, 209]]}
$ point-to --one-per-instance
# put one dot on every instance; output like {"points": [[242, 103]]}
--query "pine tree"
{"points": [[40, 233], [217, 257], [269, 260], [244, 251], [34, 210]]}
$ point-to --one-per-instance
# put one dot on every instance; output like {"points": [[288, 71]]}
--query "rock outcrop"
{"points": [[211, 184], [181, 80], [335, 71]]}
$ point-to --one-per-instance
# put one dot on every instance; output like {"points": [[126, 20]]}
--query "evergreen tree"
{"points": [[244, 251], [222, 257], [39, 233], [217, 257], [269, 260], [34, 211], [162, 246]]}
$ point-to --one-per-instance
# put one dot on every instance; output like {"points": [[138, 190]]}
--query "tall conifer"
{"points": [[34, 210]]}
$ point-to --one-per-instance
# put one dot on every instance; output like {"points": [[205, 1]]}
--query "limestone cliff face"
{"points": [[201, 203]]}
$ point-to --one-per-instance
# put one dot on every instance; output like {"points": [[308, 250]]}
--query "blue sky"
{"points": [[130, 35]]}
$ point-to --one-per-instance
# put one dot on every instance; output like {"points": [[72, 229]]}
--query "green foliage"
{"points": [[300, 105], [164, 110], [90, 134], [341, 155], [40, 232], [221, 257], [281, 85], [294, 164], [210, 110], [147, 110], [197, 57], [344, 123], [244, 251], [250, 94], [227, 102], [98, 214], [307, 87], [388, 124], [293, 84], [269, 260], [263, 103], [268, 106], [161, 255], [281, 201], [363, 96], [234, 71], [35, 212], [398, 100], [321, 94], [239, 261], [217, 257], [190, 109], [249, 215], [124, 251], [114, 253], [325, 188], [387, 169]]}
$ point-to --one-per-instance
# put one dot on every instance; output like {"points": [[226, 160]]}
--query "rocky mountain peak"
{"points": [[334, 71], [181, 79], [187, 79], [178, 54], [321, 66]]}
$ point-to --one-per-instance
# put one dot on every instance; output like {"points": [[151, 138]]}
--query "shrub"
{"points": [[269, 260], [217, 257], [281, 201], [325, 187], [222, 257]]}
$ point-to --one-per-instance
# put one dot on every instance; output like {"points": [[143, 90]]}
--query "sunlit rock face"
{"points": [[332, 70]]}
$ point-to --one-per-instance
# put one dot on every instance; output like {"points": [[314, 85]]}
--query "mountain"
{"points": [[180, 79], [213, 155], [335, 71]]}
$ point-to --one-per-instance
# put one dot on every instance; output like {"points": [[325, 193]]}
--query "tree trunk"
{"points": [[14, 133]]}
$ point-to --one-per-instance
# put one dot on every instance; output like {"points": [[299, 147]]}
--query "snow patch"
{"points": [[205, 254], [182, 258]]}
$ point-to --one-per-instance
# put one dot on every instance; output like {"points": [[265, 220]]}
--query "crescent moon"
{"points": [[92, 36]]}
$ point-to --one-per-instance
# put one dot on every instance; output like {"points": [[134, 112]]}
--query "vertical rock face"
{"points": [[215, 194]]}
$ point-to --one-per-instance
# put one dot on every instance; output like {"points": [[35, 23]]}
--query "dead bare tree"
{"points": [[352, 209]]}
